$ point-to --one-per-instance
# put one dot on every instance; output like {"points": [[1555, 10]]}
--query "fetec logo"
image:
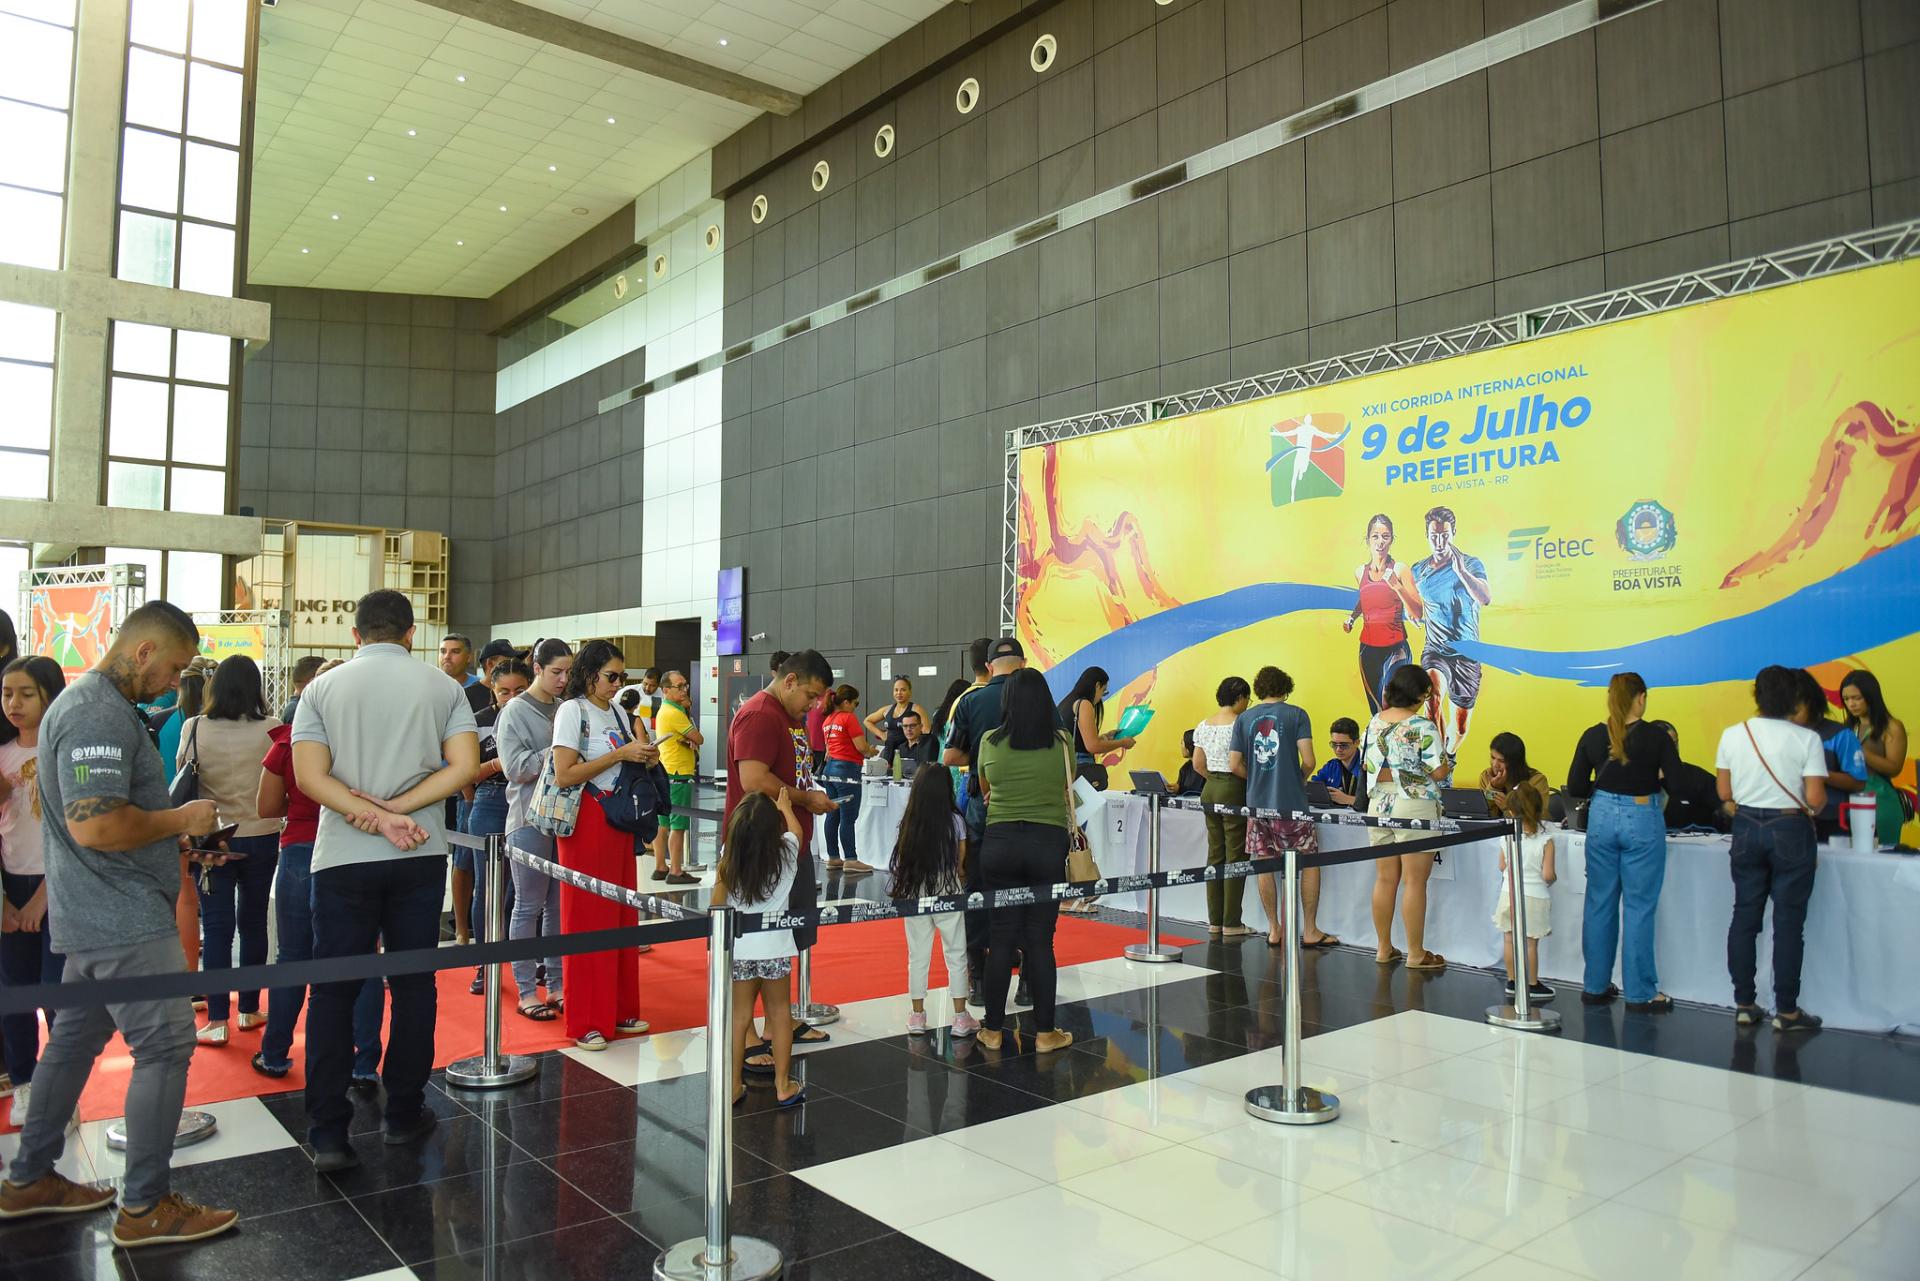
{"points": [[1308, 461], [1533, 541]]}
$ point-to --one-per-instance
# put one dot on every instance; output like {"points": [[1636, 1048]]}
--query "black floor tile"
{"points": [[605, 1248], [800, 1220], [579, 1121], [456, 1216], [457, 1146], [629, 1176], [559, 1077], [327, 1242], [941, 1101], [291, 1110], [1142, 1054], [26, 1241], [849, 1069], [893, 1257], [261, 1184], [100, 1263], [818, 1131], [1059, 1077]]}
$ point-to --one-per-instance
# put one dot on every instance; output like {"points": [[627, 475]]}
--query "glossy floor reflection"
{"points": [[1627, 1146]]}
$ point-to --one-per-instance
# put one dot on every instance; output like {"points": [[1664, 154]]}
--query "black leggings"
{"points": [[1376, 664], [1022, 854]]}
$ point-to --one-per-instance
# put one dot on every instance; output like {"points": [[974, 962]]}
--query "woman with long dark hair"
{"points": [[228, 744], [28, 687], [487, 811], [591, 740], [1403, 757], [523, 733], [1082, 710], [1884, 740], [1387, 599], [1621, 763], [929, 858], [1506, 769], [1022, 769]]}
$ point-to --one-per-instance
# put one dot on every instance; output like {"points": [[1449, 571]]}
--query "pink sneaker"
{"points": [[917, 1023], [964, 1024]]}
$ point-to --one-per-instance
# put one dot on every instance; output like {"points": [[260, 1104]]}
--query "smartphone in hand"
{"points": [[212, 841]]}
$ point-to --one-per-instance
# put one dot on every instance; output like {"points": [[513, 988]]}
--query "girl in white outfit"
{"points": [[1526, 803], [928, 861]]}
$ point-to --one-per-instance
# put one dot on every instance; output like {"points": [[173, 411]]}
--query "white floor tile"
{"points": [[1615, 1242], [73, 1163], [1244, 1072], [1793, 1216], [1191, 1192], [893, 1184], [1440, 1031], [1578, 1160], [1415, 1116], [245, 1127], [1169, 1108], [1784, 1143], [391, 1274], [885, 1016], [1048, 1232], [1200, 1261], [1889, 1241], [1491, 1085], [1511, 1267], [641, 1060], [1638, 1118], [1127, 975], [1322, 1157], [1740, 1093], [1832, 1269], [1492, 1207], [1327, 1239], [1056, 1143], [1854, 1116], [1365, 1054], [1582, 1062]]}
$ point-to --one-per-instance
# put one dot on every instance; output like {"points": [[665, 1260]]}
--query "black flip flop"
{"points": [[810, 1036], [1326, 941]]}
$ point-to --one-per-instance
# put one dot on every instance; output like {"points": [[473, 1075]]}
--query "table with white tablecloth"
{"points": [[1863, 907]]}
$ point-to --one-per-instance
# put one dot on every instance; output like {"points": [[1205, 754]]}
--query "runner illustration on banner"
{"points": [[1453, 588], [1387, 599]]}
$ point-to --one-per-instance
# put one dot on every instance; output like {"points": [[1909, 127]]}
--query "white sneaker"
{"points": [[215, 1034], [21, 1095]]}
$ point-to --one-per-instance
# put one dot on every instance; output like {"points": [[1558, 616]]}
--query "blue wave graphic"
{"points": [[1860, 608]]}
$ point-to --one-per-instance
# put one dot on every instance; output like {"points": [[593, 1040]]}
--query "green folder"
{"points": [[1133, 722]]}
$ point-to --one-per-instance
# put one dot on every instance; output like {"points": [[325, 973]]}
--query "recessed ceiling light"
{"points": [[413, 133], [553, 168], [503, 208], [459, 242], [723, 42], [335, 217], [611, 120], [369, 177], [306, 251], [461, 79], [580, 209]]}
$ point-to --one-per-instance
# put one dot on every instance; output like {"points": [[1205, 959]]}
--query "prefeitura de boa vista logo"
{"points": [[1647, 531], [1308, 459]]}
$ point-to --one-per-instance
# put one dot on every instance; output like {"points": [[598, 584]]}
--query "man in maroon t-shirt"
{"points": [[763, 756]]}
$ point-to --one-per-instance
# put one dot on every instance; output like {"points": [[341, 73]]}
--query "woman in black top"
{"points": [[884, 723], [1620, 764]]}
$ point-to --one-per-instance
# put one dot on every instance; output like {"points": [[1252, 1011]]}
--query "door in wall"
{"points": [[676, 648]]}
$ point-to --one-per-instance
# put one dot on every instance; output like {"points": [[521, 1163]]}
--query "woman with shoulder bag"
{"points": [[1023, 772], [524, 734], [592, 739], [1773, 770]]}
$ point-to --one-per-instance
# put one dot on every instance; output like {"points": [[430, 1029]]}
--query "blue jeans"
{"points": [[236, 896], [1626, 865], [1774, 857], [27, 959], [354, 907], [536, 911], [842, 779], [487, 816], [293, 920]]}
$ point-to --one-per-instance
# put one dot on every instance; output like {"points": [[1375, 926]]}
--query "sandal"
{"points": [[1392, 956], [632, 1027], [759, 1069], [539, 1012], [806, 1035], [1434, 961], [1235, 931], [1660, 1004], [591, 1041], [558, 1004], [1325, 941]]}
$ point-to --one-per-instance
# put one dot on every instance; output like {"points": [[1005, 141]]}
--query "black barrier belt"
{"points": [[1481, 827], [652, 904], [339, 969], [1028, 895]]}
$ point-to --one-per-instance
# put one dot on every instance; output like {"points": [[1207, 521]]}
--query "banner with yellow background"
{"points": [[1690, 495]]}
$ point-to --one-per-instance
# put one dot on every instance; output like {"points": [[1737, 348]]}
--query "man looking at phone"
{"points": [[113, 872], [378, 745], [679, 743]]}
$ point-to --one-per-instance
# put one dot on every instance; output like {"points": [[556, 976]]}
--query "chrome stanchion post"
{"points": [[719, 1255], [493, 1070], [1519, 1013], [195, 1127], [1291, 1103], [807, 1010], [1151, 949]]}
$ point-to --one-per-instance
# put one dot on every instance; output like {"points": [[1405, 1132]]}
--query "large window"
{"points": [[191, 580], [169, 410], [36, 89], [26, 398]]}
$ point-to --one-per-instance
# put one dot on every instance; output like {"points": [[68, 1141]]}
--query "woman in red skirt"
{"points": [[591, 739]]}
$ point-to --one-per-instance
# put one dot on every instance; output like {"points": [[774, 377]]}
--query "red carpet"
{"points": [[851, 963]]}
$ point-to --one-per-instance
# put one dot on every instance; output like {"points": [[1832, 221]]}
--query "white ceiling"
{"points": [[342, 81]]}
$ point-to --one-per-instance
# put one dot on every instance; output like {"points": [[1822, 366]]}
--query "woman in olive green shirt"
{"points": [[1022, 768]]}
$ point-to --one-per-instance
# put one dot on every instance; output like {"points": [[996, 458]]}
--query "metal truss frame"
{"points": [[1893, 243]]}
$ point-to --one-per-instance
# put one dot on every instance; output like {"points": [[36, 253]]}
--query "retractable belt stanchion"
{"points": [[719, 1255], [195, 1127], [1151, 949], [1519, 1013], [493, 1070], [1291, 1103], [809, 1011]]}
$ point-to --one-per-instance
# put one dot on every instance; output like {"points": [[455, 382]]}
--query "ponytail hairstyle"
{"points": [[926, 853], [593, 656], [1525, 803], [546, 650], [844, 697], [1621, 691]]}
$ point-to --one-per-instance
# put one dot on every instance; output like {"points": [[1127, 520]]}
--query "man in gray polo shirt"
{"points": [[379, 744], [113, 871]]}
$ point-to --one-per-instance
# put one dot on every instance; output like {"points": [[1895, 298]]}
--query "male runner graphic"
{"points": [[1453, 586]]}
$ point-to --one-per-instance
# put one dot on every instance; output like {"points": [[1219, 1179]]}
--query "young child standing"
{"points": [[756, 874], [928, 860], [1526, 803], [27, 957]]}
